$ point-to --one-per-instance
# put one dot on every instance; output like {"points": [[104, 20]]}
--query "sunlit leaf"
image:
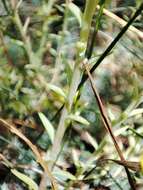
{"points": [[48, 126], [121, 130], [64, 175], [91, 140], [27, 180], [78, 118], [76, 12], [4, 186], [56, 89], [138, 2], [136, 112], [75, 157]]}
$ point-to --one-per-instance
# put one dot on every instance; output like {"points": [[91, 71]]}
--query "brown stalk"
{"points": [[132, 31], [39, 158], [135, 166], [107, 123]]}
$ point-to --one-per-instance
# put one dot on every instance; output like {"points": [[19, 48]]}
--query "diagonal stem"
{"points": [[113, 43], [107, 124], [107, 51], [76, 77]]}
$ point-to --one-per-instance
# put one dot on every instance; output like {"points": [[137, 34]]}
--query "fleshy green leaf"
{"points": [[136, 112], [27, 180], [4, 186], [48, 126], [56, 89], [91, 140], [78, 118], [64, 175], [76, 12]]}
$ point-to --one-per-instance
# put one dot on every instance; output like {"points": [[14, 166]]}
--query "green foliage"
{"points": [[42, 50], [31, 184], [76, 11], [48, 126]]}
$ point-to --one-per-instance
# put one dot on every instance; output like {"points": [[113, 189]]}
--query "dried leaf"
{"points": [[135, 166], [33, 148]]}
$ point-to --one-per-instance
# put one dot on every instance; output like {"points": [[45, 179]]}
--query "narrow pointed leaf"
{"points": [[27, 180], [79, 119], [76, 12], [64, 175], [56, 89], [48, 126]]}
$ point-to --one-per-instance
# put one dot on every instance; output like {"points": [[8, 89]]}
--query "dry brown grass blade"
{"points": [[15, 131], [132, 31], [135, 166], [107, 123]]}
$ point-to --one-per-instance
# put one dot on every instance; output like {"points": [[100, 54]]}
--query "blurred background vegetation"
{"points": [[38, 48]]}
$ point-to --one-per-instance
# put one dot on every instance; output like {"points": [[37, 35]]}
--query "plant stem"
{"points": [[84, 34], [45, 27], [87, 18], [27, 44], [107, 51], [113, 43], [108, 126], [58, 61], [62, 126], [33, 58]]}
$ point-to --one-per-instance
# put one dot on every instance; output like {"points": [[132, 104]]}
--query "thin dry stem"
{"points": [[33, 148], [107, 123], [132, 31]]}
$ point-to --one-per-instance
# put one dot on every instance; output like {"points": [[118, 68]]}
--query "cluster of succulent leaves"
{"points": [[31, 92]]}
